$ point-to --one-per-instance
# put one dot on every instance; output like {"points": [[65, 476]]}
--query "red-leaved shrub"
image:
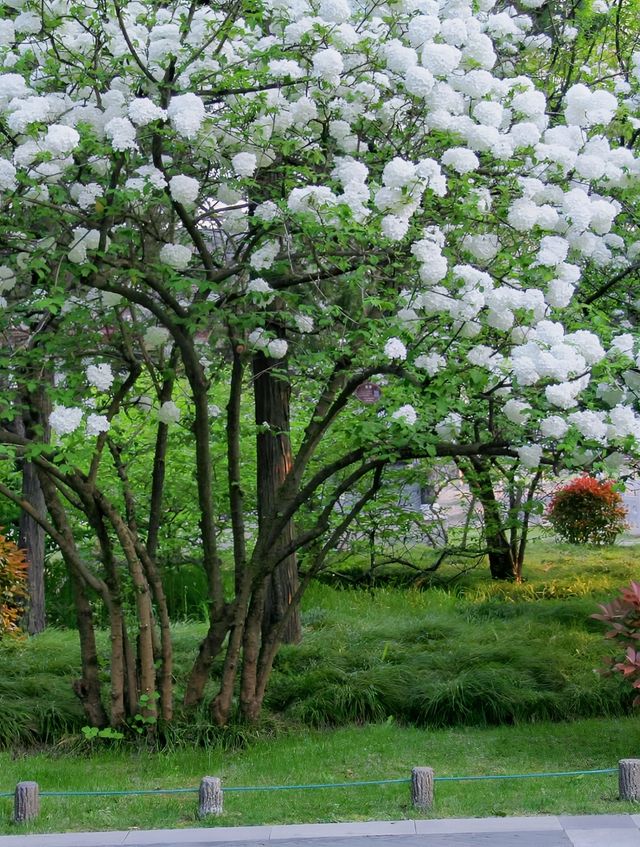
{"points": [[587, 511], [623, 616], [13, 578]]}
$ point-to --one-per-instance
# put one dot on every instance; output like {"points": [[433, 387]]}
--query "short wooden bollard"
{"points": [[26, 805], [210, 797], [629, 779], [422, 788]]}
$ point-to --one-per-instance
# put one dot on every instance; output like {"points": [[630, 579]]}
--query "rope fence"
{"points": [[211, 793]]}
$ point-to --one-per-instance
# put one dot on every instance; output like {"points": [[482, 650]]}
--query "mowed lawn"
{"points": [[471, 678]]}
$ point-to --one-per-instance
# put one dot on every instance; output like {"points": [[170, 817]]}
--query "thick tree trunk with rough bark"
{"points": [[478, 477], [272, 402], [31, 538]]}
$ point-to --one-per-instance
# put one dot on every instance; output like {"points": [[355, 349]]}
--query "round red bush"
{"points": [[587, 511]]}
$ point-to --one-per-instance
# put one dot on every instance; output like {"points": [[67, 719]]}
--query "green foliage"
{"points": [[587, 511]]}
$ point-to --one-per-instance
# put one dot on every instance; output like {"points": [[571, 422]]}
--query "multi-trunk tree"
{"points": [[206, 207]]}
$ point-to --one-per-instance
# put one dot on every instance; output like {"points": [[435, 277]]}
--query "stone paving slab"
{"points": [[455, 825], [543, 831], [597, 837]]}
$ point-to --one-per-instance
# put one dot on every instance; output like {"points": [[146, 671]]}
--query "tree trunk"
{"points": [[478, 477], [272, 403], [31, 539], [87, 689]]}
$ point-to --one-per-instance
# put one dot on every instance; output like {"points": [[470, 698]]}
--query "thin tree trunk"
{"points": [[272, 392], [88, 687]]}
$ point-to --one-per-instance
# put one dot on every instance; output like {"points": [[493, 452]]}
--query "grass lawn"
{"points": [[341, 755], [467, 677]]}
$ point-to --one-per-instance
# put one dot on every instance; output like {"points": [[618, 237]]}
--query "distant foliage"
{"points": [[13, 577], [587, 511], [623, 615]]}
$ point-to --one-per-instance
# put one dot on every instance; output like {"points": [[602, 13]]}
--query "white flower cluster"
{"points": [[100, 376], [395, 350], [64, 420], [184, 189], [83, 240], [169, 413], [406, 414], [177, 256]]}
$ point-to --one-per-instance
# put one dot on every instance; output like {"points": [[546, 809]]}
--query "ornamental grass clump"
{"points": [[587, 511], [13, 577]]}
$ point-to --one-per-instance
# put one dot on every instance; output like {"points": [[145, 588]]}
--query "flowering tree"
{"points": [[291, 199]]}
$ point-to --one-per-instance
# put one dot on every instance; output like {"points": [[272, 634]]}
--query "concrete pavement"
{"points": [[543, 831]]}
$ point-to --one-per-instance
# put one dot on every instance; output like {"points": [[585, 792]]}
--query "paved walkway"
{"points": [[551, 831]]}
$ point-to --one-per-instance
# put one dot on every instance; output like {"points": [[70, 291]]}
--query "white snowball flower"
{"points": [[262, 258], [60, 140], [259, 286], [245, 164], [7, 176], [407, 414], [277, 348], [169, 413], [335, 11], [395, 350], [553, 251], [100, 376], [97, 424], [184, 189], [430, 362], [530, 455], [394, 227], [554, 427], [328, 65], [64, 419], [304, 323], [122, 134], [143, 111], [460, 159], [418, 81], [177, 256], [186, 114], [516, 411]]}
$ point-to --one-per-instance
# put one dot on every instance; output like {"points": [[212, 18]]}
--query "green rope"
{"points": [[353, 783]]}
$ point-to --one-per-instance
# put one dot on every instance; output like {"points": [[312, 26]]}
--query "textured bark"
{"points": [[31, 538], [629, 779], [26, 806], [87, 688], [210, 799], [274, 459], [478, 477], [422, 788]]}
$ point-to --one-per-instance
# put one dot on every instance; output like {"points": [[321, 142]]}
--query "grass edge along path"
{"points": [[344, 755]]}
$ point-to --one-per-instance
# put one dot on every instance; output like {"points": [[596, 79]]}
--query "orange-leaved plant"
{"points": [[13, 579], [623, 616], [587, 511]]}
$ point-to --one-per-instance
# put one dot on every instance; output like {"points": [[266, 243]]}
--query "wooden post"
{"points": [[210, 797], [26, 806], [629, 779], [422, 788]]}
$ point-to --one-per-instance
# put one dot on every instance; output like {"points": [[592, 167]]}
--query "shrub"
{"points": [[587, 511], [623, 615], [13, 578]]}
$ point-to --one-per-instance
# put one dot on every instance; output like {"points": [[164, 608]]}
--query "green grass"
{"points": [[342, 755], [465, 677], [475, 652]]}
